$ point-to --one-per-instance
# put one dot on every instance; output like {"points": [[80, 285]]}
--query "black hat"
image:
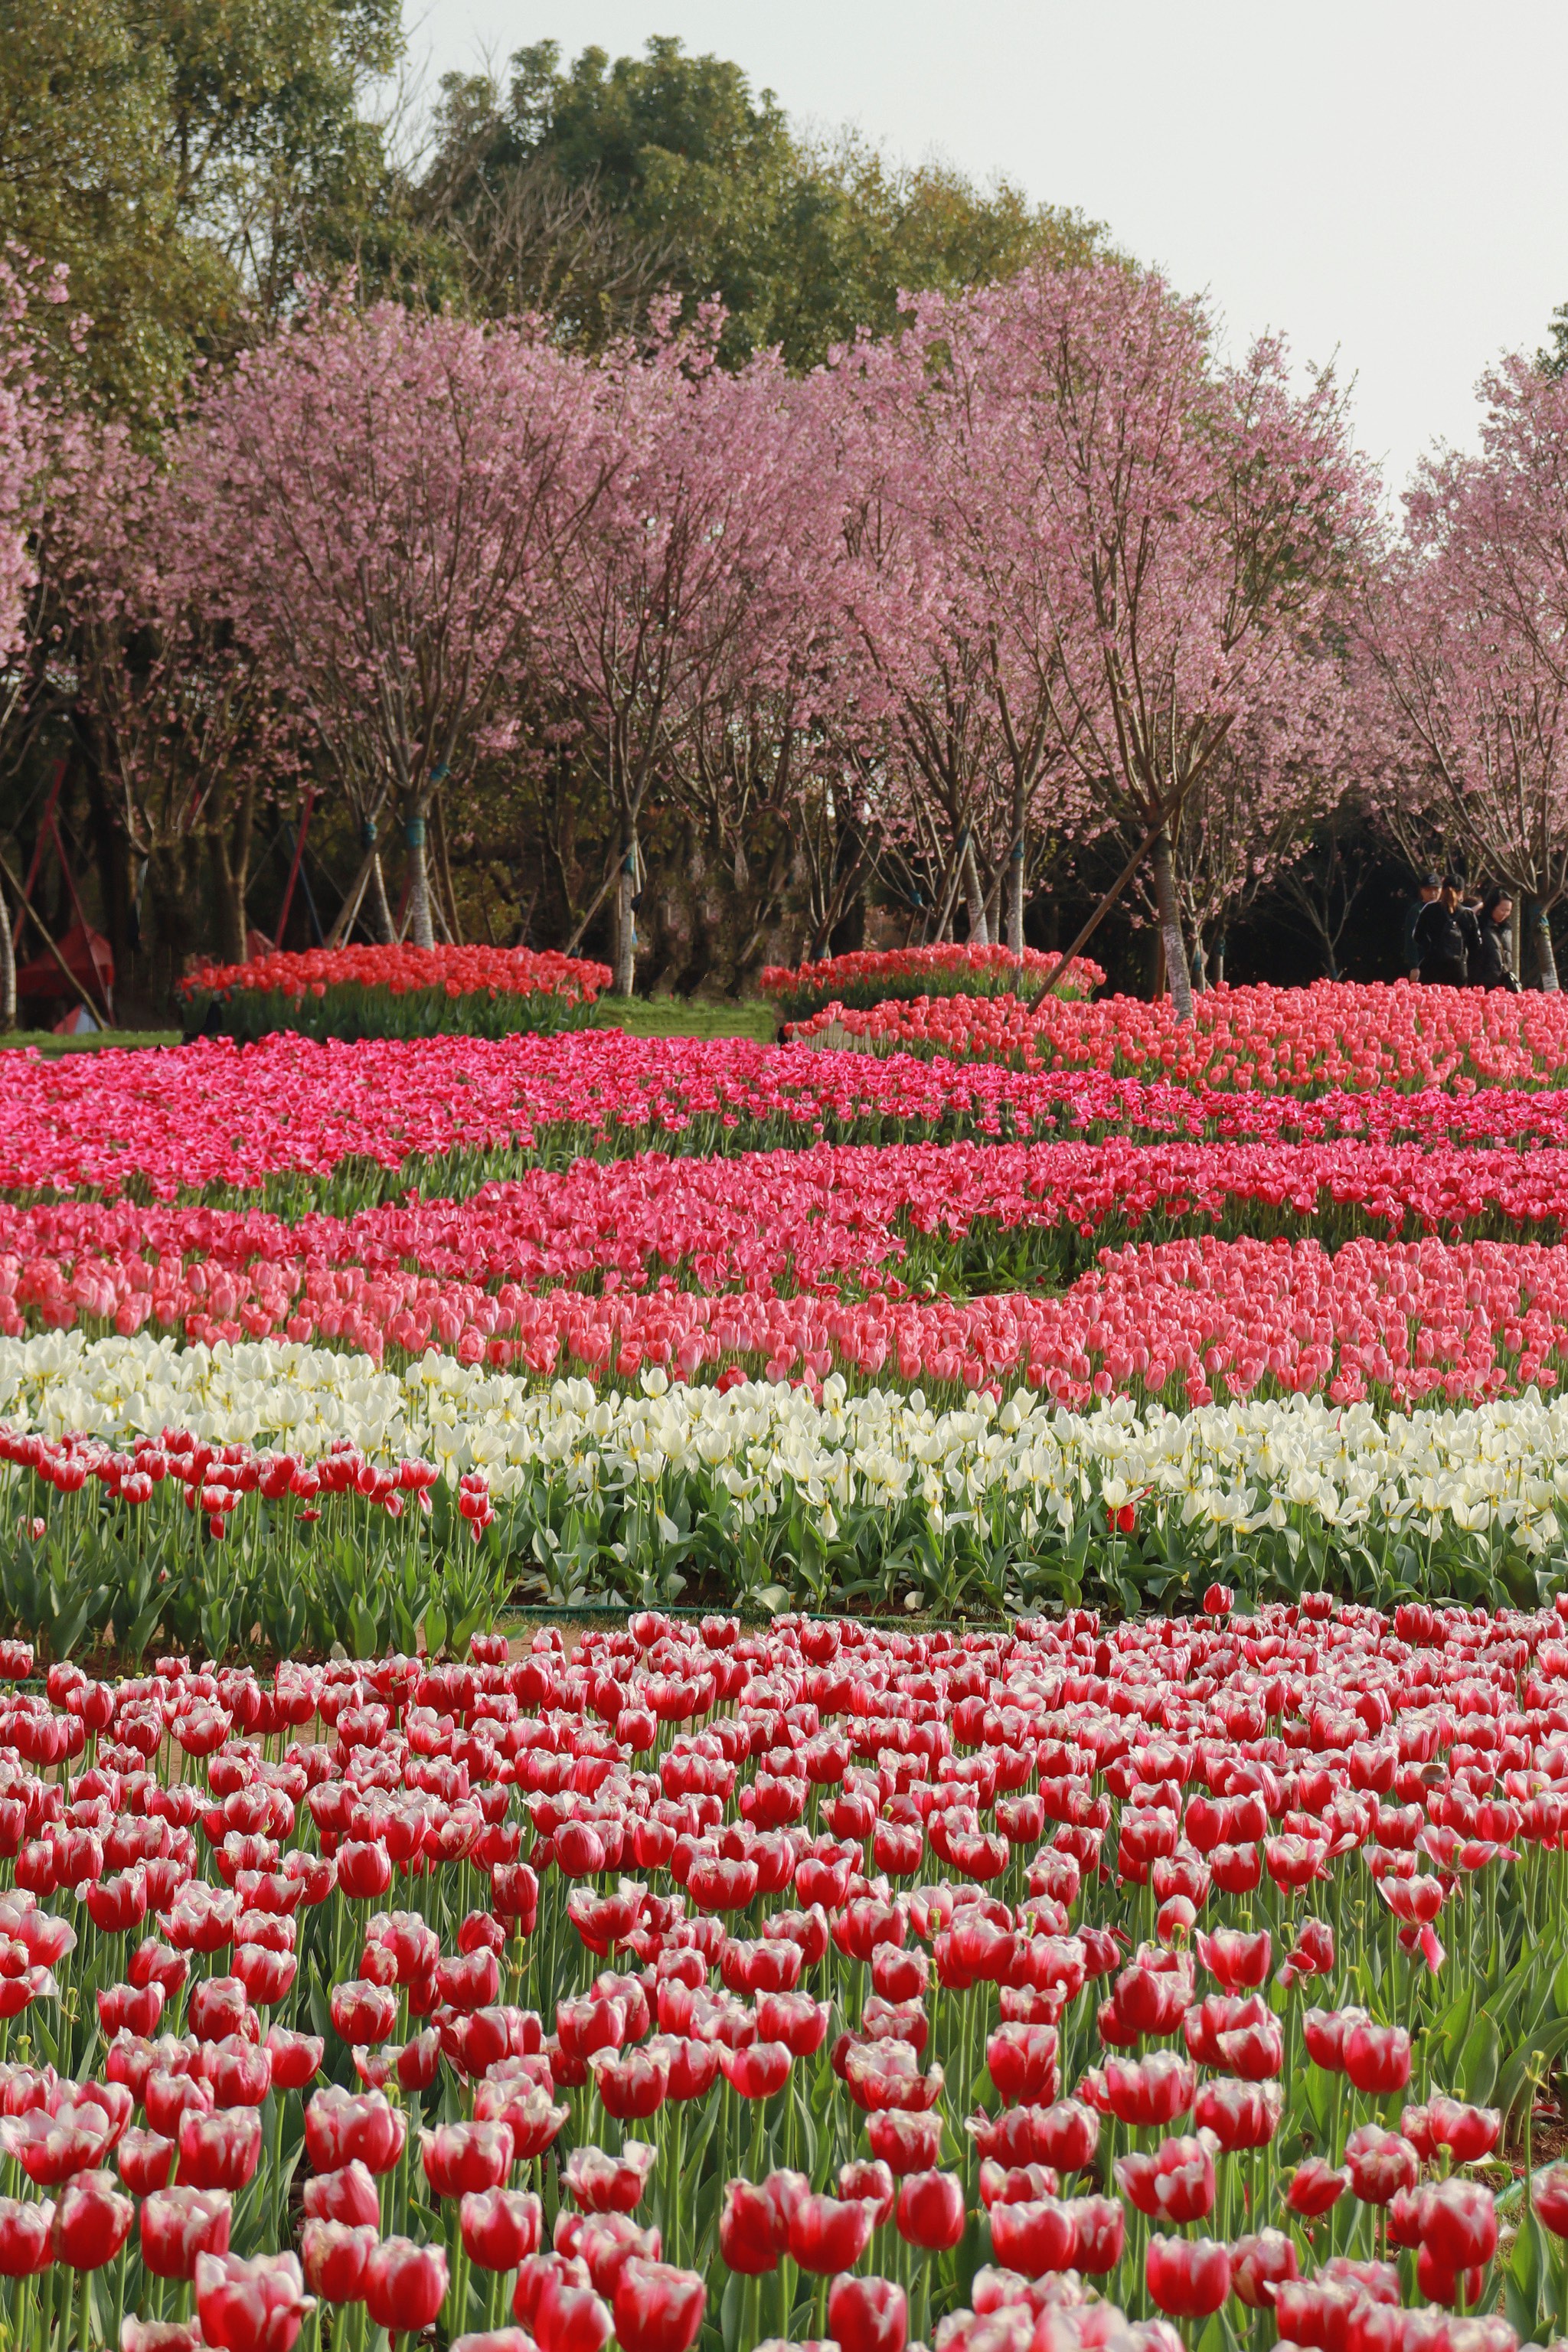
{"points": [[1431, 881]]}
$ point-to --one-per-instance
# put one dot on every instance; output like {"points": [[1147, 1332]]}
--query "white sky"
{"points": [[1383, 179]]}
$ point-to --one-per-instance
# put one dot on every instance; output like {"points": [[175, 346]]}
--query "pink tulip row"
{"points": [[835, 1969], [1334, 1034], [214, 1114], [1461, 1321], [834, 1216]]}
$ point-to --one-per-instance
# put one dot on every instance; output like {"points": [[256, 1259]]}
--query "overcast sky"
{"points": [[1380, 179]]}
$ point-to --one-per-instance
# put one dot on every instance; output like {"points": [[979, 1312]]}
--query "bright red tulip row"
{"points": [[818, 1979], [1274, 1040], [878, 975], [452, 1111], [403, 971]]}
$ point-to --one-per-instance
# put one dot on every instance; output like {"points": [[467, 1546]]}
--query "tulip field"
{"points": [[1054, 1839], [394, 991]]}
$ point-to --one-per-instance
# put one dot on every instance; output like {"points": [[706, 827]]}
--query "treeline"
{"points": [[560, 529]]}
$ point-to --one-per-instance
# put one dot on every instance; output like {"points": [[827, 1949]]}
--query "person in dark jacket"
{"points": [[1490, 964], [1431, 888], [1445, 938]]}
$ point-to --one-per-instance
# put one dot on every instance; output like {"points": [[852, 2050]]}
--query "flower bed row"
{"points": [[753, 1492], [1186, 1321], [337, 1126], [704, 1984], [394, 991], [846, 1220], [888, 975], [1335, 1034]]}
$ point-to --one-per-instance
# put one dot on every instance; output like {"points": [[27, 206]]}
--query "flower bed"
{"points": [[891, 975], [394, 991], [754, 1492], [1015, 1988], [333, 1126], [1298, 1041]]}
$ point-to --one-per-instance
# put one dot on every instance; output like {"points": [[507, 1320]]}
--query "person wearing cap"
{"points": [[1447, 939], [1430, 891]]}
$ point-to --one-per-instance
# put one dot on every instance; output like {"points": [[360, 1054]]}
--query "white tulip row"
{"points": [[1223, 1472]]}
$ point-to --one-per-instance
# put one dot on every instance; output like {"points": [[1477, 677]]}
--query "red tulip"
{"points": [[598, 2183], [178, 2225], [500, 2226], [296, 2057], [931, 2211], [1034, 2237], [462, 2159], [1377, 2057], [1099, 2226], [338, 2127], [1315, 2187], [348, 2195], [1188, 2277], [1549, 2195], [872, 2182], [365, 1870], [1468, 2133], [1174, 2184], [251, 2306], [634, 2085], [757, 2070], [91, 2221], [1459, 2224], [1380, 2164], [220, 2150], [336, 2256], [363, 2013], [405, 2284], [25, 2241], [1260, 2264], [568, 2316], [1239, 2114], [658, 2308], [750, 2237], [145, 2159], [828, 2234], [905, 2142], [867, 2315]]}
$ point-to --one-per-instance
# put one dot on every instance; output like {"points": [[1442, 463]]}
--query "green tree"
{"points": [[184, 158], [665, 170]]}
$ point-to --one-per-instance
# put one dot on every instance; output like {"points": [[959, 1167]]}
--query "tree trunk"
{"points": [[1178, 978], [1545, 959], [230, 861], [625, 916], [1200, 966], [421, 923], [1218, 962], [7, 968], [1015, 873], [974, 897], [379, 908]]}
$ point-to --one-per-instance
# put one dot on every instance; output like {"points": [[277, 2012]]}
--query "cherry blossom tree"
{"points": [[379, 504], [1468, 642], [1187, 528], [179, 719], [687, 569]]}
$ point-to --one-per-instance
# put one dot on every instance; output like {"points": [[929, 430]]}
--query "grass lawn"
{"points": [[681, 1016], [639, 1016], [94, 1042]]}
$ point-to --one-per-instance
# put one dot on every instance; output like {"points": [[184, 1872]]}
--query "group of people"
{"points": [[1450, 944]]}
